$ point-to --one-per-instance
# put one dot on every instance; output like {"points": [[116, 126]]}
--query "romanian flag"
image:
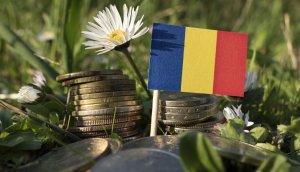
{"points": [[197, 60]]}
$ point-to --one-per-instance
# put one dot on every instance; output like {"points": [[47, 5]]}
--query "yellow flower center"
{"points": [[117, 35]]}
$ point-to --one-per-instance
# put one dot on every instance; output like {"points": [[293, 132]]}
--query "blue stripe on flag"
{"points": [[166, 57]]}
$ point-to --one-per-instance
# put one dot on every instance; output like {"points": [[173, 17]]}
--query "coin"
{"points": [[182, 99], [239, 151], [140, 159], [206, 126], [187, 110], [107, 135], [189, 116], [104, 94], [104, 100], [78, 156], [104, 132], [204, 129], [168, 143], [107, 105], [114, 145], [90, 90], [111, 116], [209, 123], [69, 76], [107, 111], [231, 149], [193, 109], [100, 127], [180, 122], [131, 138], [128, 133], [105, 83], [92, 78], [105, 121]]}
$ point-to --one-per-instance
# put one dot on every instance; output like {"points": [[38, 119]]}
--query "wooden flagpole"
{"points": [[154, 115]]}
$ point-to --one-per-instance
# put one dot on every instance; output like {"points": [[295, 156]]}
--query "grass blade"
{"points": [[24, 51], [72, 30]]}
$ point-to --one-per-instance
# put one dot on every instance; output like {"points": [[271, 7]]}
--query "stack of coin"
{"points": [[185, 112], [105, 102]]}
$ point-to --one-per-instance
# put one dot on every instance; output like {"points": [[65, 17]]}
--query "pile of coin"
{"points": [[189, 112], [105, 102]]}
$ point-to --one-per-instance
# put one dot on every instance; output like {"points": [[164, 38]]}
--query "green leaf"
{"points": [[282, 129], [22, 125], [297, 143], [5, 119], [197, 154], [259, 133], [296, 146], [49, 105], [54, 119], [277, 163], [24, 140], [267, 146], [38, 109], [11, 141], [24, 51], [234, 129], [294, 127], [3, 135]]}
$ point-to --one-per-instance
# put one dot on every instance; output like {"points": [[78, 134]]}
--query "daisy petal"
{"points": [[109, 30], [142, 32]]}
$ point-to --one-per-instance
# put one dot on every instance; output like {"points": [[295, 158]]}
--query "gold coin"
{"points": [[131, 138], [121, 134], [92, 78], [79, 123], [90, 90], [104, 100], [107, 111], [101, 127], [219, 118], [107, 105], [105, 132], [69, 76], [183, 99], [109, 116], [76, 156], [189, 116], [105, 83], [104, 94], [190, 109]]}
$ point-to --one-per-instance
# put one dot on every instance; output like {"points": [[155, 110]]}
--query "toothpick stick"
{"points": [[155, 102]]}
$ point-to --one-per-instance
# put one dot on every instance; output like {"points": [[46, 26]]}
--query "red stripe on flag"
{"points": [[230, 64]]}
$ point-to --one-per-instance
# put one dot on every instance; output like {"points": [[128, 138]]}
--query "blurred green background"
{"points": [[52, 29]]}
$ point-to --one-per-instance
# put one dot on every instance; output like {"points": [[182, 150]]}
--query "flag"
{"points": [[195, 60]]}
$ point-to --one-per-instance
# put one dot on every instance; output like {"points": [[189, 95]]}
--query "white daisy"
{"points": [[39, 79], [28, 94], [110, 30], [251, 79], [231, 113]]}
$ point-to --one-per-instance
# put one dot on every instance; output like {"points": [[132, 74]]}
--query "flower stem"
{"points": [[136, 70]]}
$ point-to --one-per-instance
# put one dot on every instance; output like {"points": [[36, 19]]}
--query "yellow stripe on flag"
{"points": [[199, 60]]}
